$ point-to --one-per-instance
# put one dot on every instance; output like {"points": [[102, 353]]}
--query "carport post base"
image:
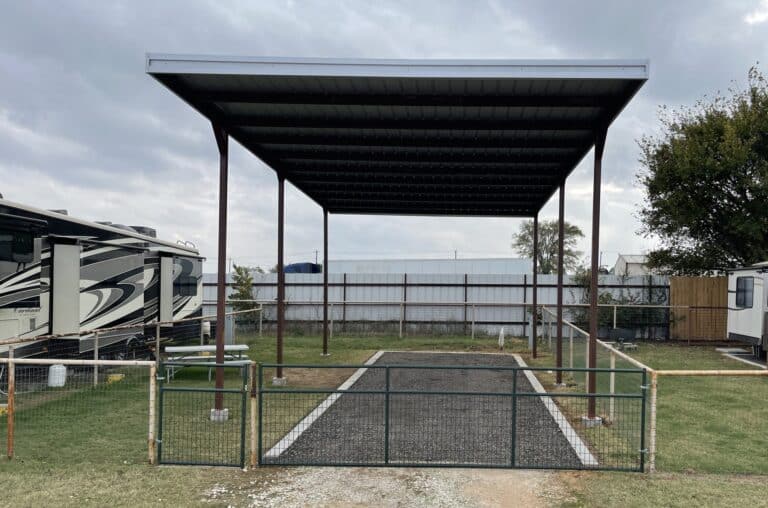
{"points": [[591, 422], [219, 415], [279, 381]]}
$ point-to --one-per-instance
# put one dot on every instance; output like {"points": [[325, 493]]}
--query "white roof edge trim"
{"points": [[161, 63], [83, 222]]}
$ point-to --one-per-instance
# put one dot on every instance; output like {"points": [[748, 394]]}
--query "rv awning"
{"points": [[410, 137]]}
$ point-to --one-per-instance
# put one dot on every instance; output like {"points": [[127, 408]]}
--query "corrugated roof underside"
{"points": [[422, 146]]}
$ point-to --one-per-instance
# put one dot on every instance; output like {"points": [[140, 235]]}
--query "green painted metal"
{"points": [[386, 417], [644, 391], [514, 395], [513, 450], [163, 414], [261, 399]]}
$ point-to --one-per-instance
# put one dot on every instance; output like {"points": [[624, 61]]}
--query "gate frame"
{"points": [[641, 394], [244, 395]]}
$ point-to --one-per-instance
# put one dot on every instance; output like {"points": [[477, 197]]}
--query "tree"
{"points": [[522, 242], [706, 183], [242, 284]]}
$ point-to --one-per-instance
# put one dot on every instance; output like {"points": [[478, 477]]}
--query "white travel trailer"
{"points": [[748, 307], [63, 275]]}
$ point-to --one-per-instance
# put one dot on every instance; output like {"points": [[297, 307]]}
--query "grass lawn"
{"points": [[95, 453]]}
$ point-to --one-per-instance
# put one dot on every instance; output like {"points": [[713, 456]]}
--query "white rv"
{"points": [[63, 275], [748, 307]]}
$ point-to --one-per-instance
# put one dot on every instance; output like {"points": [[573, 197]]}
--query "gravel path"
{"points": [[429, 429]]}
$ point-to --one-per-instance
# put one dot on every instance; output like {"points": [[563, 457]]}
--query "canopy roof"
{"points": [[411, 137]]}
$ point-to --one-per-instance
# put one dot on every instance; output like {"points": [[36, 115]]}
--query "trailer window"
{"points": [[185, 285], [744, 292]]}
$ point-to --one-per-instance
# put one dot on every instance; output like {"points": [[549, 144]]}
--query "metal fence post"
{"points": [[652, 433], [330, 326], [253, 443], [614, 317], [159, 440], [586, 360], [11, 401], [386, 415], [402, 317], [259, 387], [261, 319], [473, 321], [243, 411], [570, 350], [157, 343], [513, 451], [644, 390], [612, 400], [96, 357], [151, 443]]}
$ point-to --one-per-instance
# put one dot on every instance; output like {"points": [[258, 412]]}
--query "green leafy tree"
{"points": [[522, 242], [706, 182], [242, 285]]}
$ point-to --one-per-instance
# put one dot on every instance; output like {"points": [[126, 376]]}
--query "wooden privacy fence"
{"points": [[700, 308]]}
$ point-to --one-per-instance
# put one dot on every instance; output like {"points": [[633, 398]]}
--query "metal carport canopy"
{"points": [[411, 137]]}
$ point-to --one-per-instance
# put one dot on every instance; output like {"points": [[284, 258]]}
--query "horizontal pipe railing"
{"points": [[21, 340], [452, 393], [443, 367], [58, 361]]}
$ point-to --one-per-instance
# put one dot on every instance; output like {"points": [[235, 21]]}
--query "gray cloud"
{"points": [[82, 127]]}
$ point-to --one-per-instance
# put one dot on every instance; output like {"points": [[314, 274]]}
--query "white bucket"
{"points": [[57, 376]]}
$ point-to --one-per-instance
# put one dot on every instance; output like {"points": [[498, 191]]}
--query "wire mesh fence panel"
{"points": [[98, 414], [450, 429], [449, 410], [323, 428], [199, 423]]}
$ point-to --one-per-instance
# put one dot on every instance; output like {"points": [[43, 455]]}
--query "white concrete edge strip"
{"points": [[568, 431], [308, 420], [744, 360]]}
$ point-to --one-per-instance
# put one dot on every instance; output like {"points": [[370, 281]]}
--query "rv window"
{"points": [[17, 246], [185, 285], [744, 291]]}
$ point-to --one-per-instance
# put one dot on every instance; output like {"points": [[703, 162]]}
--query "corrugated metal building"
{"points": [[507, 266]]}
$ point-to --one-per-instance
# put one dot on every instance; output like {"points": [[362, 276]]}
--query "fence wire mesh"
{"points": [[78, 411], [191, 430], [445, 416]]}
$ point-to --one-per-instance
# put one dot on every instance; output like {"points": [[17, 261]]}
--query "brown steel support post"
{"points": [[325, 282], [535, 314], [595, 267], [222, 141], [280, 274], [560, 252]]}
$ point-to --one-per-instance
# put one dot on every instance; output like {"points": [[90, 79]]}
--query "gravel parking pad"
{"points": [[471, 428]]}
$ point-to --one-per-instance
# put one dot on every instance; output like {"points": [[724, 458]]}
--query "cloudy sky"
{"points": [[82, 126]]}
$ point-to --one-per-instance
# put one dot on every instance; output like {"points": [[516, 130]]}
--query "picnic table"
{"points": [[203, 356]]}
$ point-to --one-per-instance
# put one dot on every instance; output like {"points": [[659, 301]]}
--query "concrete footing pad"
{"points": [[591, 422], [219, 415]]}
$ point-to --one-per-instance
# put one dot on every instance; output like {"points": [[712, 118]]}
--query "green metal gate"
{"points": [[189, 432], [452, 416]]}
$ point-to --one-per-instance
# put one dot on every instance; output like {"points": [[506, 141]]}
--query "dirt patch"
{"points": [[353, 487], [316, 378]]}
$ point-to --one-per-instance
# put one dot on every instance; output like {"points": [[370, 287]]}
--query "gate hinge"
{"points": [[159, 378], [644, 387], [644, 451]]}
